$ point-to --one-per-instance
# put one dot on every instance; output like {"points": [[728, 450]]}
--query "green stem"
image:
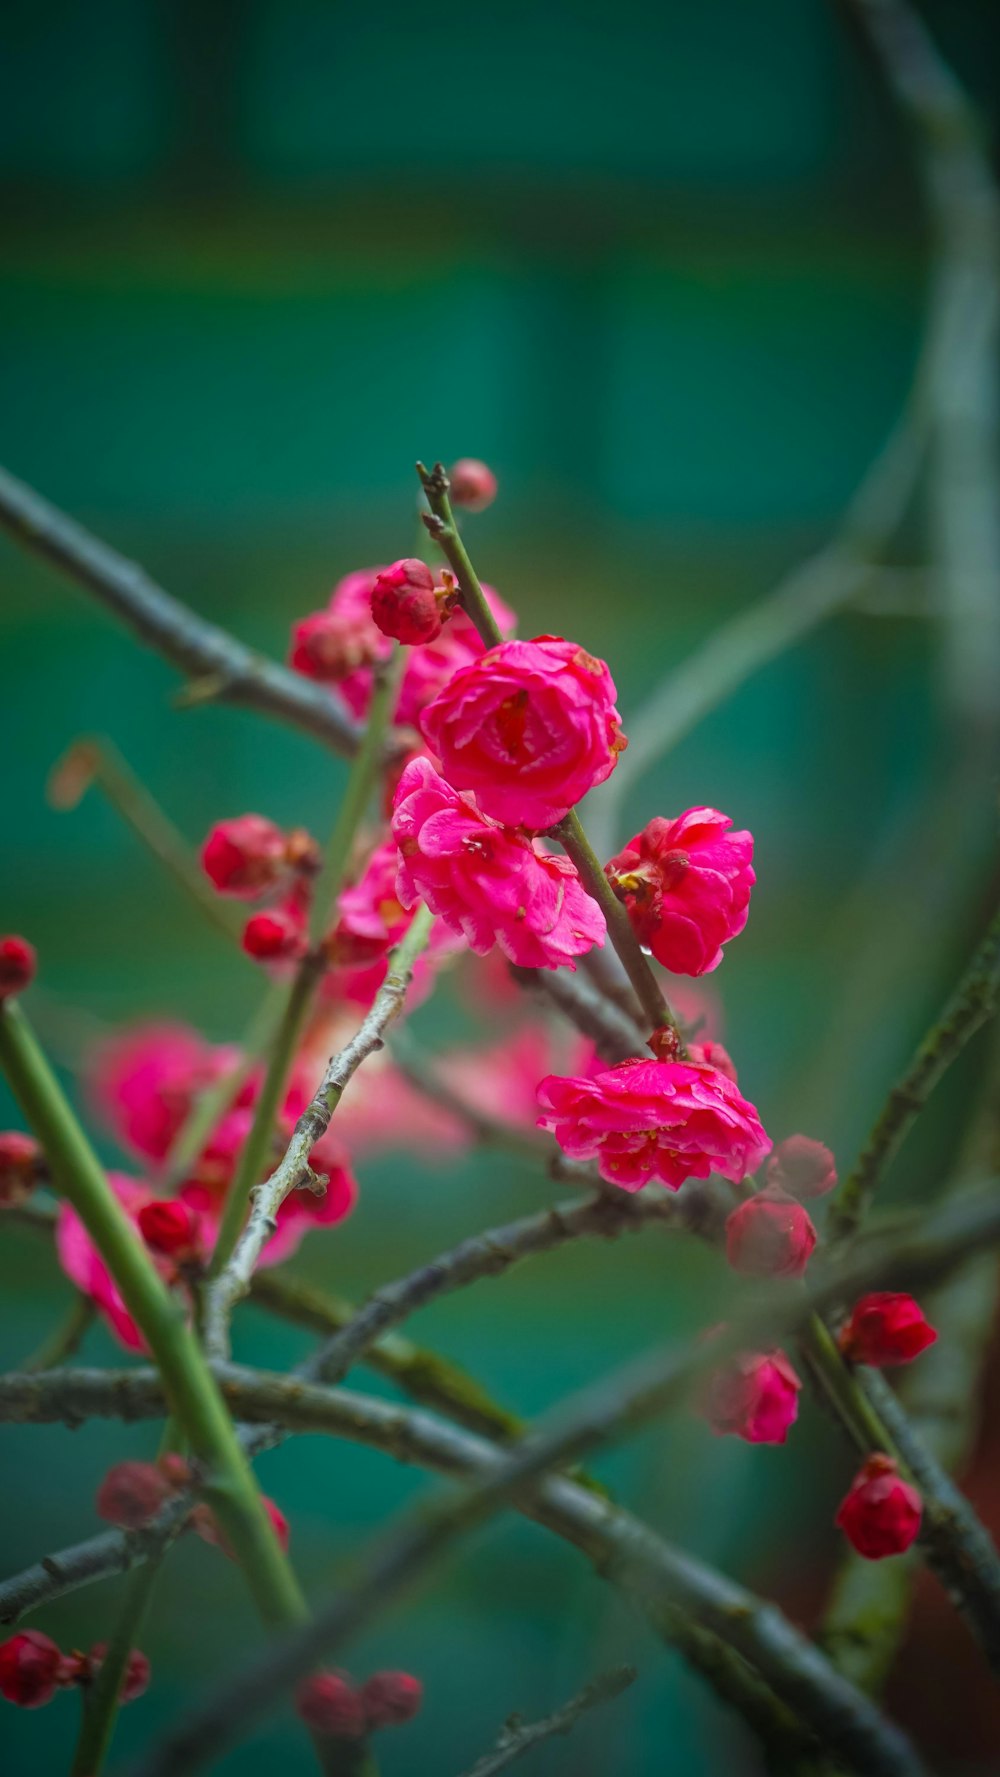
{"points": [[102, 1701], [360, 784], [212, 1104], [440, 522], [97, 761], [193, 1396]]}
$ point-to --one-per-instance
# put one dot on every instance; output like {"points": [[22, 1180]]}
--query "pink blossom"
{"points": [[485, 882], [245, 856], [530, 727], [84, 1266], [686, 886], [670, 1120], [770, 1235], [145, 1079], [802, 1167], [371, 919], [754, 1396], [407, 606]]}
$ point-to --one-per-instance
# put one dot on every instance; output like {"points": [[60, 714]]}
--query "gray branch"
{"points": [[518, 1737]]}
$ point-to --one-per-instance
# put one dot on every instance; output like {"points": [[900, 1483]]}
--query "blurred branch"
{"points": [[811, 592], [518, 1737], [964, 419], [616, 1036], [974, 1001], [421, 1069], [293, 1170], [91, 761], [223, 669], [64, 1338]]}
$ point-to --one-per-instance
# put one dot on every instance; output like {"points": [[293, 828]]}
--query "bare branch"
{"points": [[518, 1737], [223, 669]]}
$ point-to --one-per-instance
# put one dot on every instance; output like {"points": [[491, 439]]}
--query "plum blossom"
{"points": [[686, 884]]}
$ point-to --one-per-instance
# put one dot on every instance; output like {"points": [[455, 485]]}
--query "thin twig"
{"points": [[615, 1035], [223, 669], [293, 1169], [65, 1338], [974, 1001], [518, 1737], [428, 1077]]}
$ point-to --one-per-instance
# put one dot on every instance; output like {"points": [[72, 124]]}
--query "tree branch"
{"points": [[518, 1737], [222, 668]]}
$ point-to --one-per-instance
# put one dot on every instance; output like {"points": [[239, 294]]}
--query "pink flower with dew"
{"points": [[686, 884], [530, 727], [487, 883], [669, 1120]]}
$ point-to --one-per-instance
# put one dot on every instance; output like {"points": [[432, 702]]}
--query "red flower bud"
{"points": [[171, 1229], [245, 856], [755, 1396], [330, 645], [137, 1671], [886, 1328], [802, 1167], [880, 1514], [473, 484], [328, 1703], [20, 1161], [30, 1669], [175, 1469], [769, 1235], [274, 937], [405, 604], [17, 966], [391, 1698], [131, 1493]]}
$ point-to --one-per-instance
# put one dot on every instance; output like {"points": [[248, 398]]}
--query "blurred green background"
{"points": [[666, 272]]}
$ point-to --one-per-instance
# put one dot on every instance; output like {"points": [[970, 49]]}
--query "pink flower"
{"points": [[473, 484], [406, 604], [18, 962], [530, 727], [84, 1266], [145, 1080], [887, 1327], [880, 1513], [802, 1167], [245, 856], [485, 882], [770, 1235], [686, 886], [371, 917], [755, 1396], [669, 1120]]}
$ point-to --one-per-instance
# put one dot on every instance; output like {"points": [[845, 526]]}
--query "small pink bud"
{"points": [[769, 1235], [131, 1493], [880, 1514], [328, 1703], [172, 1230], [30, 1669], [886, 1328], [390, 1699], [274, 937], [405, 604], [330, 645], [137, 1671], [713, 1054], [245, 856], [175, 1469], [20, 1163], [473, 484], [755, 1396], [802, 1167], [17, 966]]}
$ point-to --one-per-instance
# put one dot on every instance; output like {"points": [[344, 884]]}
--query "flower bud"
{"points": [[769, 1235], [204, 1521], [886, 1328], [330, 645], [755, 1396], [473, 484], [137, 1671], [17, 966], [171, 1229], [390, 1699], [175, 1469], [30, 1669], [405, 604], [20, 1162], [131, 1493], [880, 1514], [274, 937], [328, 1703], [802, 1167], [244, 857]]}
